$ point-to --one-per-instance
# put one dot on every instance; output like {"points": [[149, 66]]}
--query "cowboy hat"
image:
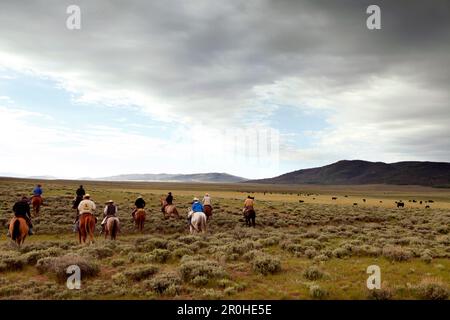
{"points": [[110, 201], [195, 199], [139, 197], [87, 195]]}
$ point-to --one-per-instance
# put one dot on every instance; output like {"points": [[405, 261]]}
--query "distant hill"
{"points": [[213, 177], [364, 172]]}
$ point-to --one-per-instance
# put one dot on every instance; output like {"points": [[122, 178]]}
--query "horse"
{"points": [[139, 219], [112, 227], [36, 202], [208, 211], [197, 222], [87, 227], [250, 217], [18, 229], [76, 202], [168, 209]]}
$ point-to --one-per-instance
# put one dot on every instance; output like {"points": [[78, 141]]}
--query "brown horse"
{"points": [[207, 209], [250, 217], [36, 202], [169, 210], [139, 219], [18, 229], [87, 227], [112, 227]]}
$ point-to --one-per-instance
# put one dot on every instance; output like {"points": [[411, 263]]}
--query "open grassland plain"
{"points": [[305, 245]]}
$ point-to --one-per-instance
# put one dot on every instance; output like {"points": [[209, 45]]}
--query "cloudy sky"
{"points": [[254, 88]]}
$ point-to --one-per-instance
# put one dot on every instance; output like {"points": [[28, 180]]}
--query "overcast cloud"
{"points": [[383, 95]]}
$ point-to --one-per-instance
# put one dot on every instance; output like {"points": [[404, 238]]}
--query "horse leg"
{"points": [[91, 231]]}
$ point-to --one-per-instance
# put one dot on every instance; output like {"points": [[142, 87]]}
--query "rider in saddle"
{"points": [[140, 204], [85, 206], [37, 192], [80, 194], [207, 200], [169, 198], [109, 211], [22, 209], [248, 204], [196, 207]]}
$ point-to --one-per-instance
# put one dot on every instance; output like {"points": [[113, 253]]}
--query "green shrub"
{"points": [[59, 265], [140, 272], [189, 269], [380, 294], [160, 255], [181, 252], [313, 273], [316, 292], [118, 262], [97, 252], [200, 281], [396, 253], [432, 290], [11, 261], [266, 264], [33, 256], [161, 283]]}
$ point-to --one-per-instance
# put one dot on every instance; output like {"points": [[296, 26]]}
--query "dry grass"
{"points": [[316, 249]]}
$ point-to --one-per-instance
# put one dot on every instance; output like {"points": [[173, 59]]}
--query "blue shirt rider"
{"points": [[197, 206], [37, 191]]}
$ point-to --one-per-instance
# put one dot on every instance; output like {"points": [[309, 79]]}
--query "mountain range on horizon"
{"points": [[344, 172], [357, 172], [210, 177]]}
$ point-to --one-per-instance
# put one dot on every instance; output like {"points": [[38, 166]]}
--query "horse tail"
{"points": [[87, 224], [204, 222], [114, 229], [16, 230]]}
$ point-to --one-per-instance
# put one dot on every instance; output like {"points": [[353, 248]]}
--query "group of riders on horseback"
{"points": [[198, 214]]}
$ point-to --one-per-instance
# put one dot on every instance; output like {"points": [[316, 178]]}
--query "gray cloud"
{"points": [[185, 58]]}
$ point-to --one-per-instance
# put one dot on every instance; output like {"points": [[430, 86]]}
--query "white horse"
{"points": [[198, 222]]}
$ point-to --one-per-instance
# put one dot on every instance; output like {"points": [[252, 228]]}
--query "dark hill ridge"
{"points": [[364, 172]]}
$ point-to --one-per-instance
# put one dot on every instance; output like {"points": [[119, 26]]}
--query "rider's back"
{"points": [[86, 206]]}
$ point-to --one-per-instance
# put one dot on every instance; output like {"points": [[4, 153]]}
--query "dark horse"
{"points": [[76, 202], [207, 209], [250, 217]]}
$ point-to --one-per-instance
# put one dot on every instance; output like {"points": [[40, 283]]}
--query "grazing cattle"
{"points": [[355, 204], [430, 201], [381, 201], [301, 201], [346, 196], [400, 205], [427, 207], [414, 201], [420, 202], [364, 200], [334, 198], [314, 198]]}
